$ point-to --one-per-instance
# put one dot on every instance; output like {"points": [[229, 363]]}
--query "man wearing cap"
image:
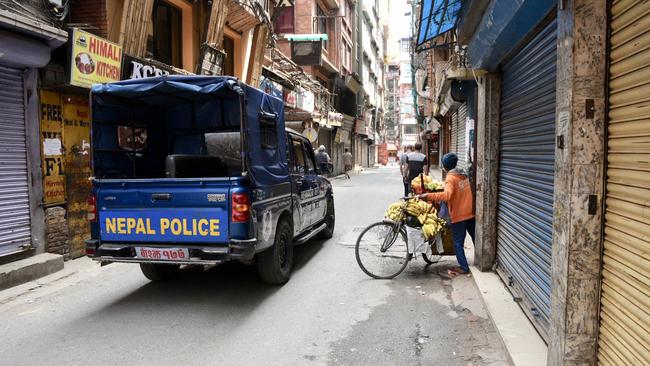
{"points": [[459, 198], [323, 160]]}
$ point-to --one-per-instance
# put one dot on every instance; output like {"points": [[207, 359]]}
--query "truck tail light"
{"points": [[92, 208], [240, 207]]}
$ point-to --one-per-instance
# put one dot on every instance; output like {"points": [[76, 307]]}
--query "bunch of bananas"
{"points": [[417, 207], [395, 212], [434, 185], [427, 215], [431, 225]]}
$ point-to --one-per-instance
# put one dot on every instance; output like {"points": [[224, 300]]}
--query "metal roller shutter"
{"points": [[14, 199], [454, 132], [526, 175], [462, 127], [625, 295]]}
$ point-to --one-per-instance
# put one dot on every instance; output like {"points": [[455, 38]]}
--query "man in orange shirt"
{"points": [[459, 198]]}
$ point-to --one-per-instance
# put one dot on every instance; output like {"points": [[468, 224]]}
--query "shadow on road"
{"points": [[231, 285]]}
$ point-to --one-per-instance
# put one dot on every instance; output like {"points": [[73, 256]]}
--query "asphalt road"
{"points": [[330, 313]]}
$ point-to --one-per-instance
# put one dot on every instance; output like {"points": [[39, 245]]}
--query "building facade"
{"points": [[560, 103], [55, 51]]}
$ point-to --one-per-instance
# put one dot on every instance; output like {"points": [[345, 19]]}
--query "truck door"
{"points": [[316, 194], [299, 185]]}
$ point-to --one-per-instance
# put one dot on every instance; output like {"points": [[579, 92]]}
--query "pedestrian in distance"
{"points": [[416, 164], [323, 160], [347, 162], [459, 198], [404, 169]]}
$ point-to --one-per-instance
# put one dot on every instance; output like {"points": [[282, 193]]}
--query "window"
{"points": [[284, 20], [298, 163], [347, 54], [347, 9], [309, 158], [226, 146], [410, 130], [268, 130], [132, 138], [321, 24], [165, 38], [229, 48], [405, 45]]}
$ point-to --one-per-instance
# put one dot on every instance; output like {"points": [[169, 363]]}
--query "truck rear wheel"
{"points": [[274, 264], [159, 272]]}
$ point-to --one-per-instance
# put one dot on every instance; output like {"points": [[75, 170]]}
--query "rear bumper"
{"points": [[199, 254]]}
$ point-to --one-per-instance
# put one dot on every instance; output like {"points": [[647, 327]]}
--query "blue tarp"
{"points": [[169, 104], [436, 18]]}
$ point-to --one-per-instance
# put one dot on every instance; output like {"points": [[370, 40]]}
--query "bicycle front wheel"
{"points": [[382, 251]]}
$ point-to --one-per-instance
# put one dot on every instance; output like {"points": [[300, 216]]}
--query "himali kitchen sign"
{"points": [[94, 60]]}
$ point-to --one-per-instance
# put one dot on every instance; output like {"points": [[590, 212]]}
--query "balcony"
{"points": [[246, 14]]}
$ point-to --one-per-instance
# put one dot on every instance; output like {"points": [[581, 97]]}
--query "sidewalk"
{"points": [[524, 345]]}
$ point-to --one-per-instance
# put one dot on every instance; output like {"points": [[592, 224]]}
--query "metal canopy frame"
{"points": [[436, 17]]}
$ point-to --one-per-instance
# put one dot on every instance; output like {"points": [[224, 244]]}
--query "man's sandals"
{"points": [[453, 272]]}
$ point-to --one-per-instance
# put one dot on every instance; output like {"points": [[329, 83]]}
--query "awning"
{"points": [[436, 18]]}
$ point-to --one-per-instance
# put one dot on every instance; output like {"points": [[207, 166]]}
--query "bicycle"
{"points": [[382, 250]]}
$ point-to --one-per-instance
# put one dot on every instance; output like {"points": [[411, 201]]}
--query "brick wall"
{"points": [[91, 12], [56, 231]]}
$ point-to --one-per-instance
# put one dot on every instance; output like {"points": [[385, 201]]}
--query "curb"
{"points": [[25, 270], [523, 344]]}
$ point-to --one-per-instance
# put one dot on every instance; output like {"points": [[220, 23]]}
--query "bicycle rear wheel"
{"points": [[381, 250]]}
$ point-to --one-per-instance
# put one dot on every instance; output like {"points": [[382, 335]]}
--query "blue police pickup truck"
{"points": [[196, 170]]}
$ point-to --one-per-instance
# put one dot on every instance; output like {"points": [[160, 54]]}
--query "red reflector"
{"points": [[239, 198], [240, 207], [90, 251]]}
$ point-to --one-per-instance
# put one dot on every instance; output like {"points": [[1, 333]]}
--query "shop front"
{"points": [[624, 331], [526, 174], [65, 139], [22, 52]]}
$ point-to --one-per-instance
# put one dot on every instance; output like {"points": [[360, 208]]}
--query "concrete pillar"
{"points": [[487, 161], [579, 181]]}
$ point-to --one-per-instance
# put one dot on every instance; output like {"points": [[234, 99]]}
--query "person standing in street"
{"points": [[458, 195], [347, 162], [416, 164], [404, 169], [323, 160]]}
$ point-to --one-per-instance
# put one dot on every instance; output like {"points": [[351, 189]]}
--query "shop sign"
{"points": [[469, 138], [93, 60], [307, 101], [335, 119], [342, 136], [76, 140], [306, 53], [138, 68], [290, 98], [52, 148], [360, 126], [310, 134]]}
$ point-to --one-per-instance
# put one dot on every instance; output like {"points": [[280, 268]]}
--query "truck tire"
{"points": [[330, 220], [274, 264], [159, 272]]}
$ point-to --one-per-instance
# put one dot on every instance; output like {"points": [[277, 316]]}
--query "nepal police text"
{"points": [[164, 226]]}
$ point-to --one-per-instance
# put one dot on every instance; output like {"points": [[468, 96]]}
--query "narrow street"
{"points": [[329, 313]]}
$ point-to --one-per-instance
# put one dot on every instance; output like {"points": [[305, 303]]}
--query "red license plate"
{"points": [[162, 254]]}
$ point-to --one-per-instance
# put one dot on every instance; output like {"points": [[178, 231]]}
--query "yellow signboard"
{"points": [[94, 60], [52, 148], [76, 140]]}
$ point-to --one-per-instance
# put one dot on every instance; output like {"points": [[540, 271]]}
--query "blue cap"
{"points": [[449, 161]]}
